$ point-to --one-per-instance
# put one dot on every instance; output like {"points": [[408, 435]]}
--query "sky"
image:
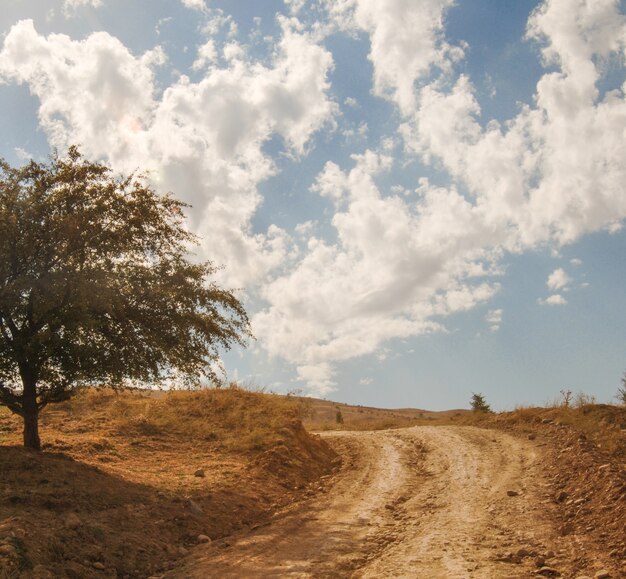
{"points": [[416, 199]]}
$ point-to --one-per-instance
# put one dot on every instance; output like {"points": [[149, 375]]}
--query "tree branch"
{"points": [[11, 400]]}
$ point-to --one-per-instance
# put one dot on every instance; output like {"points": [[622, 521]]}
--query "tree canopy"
{"points": [[97, 287]]}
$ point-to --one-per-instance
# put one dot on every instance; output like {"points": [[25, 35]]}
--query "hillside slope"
{"points": [[128, 483]]}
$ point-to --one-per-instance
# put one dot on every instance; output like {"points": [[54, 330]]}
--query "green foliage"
{"points": [[479, 404], [339, 417], [96, 286]]}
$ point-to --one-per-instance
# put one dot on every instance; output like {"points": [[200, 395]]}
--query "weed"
{"points": [[566, 398]]}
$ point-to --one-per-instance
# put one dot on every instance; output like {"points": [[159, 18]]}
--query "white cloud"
{"points": [[22, 154], [201, 140], [207, 55], [395, 264], [406, 38], [576, 262], [494, 319], [72, 5], [555, 171], [319, 377], [195, 5], [554, 300], [295, 5], [395, 267], [558, 279]]}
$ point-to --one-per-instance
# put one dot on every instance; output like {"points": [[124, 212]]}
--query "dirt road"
{"points": [[418, 502]]}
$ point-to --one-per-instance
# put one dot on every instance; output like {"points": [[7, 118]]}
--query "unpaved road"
{"points": [[419, 502]]}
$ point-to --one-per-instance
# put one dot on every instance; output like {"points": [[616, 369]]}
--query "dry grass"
{"points": [[234, 418], [322, 415], [125, 463], [603, 424]]}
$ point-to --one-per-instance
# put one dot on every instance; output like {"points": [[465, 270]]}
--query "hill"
{"points": [[129, 482], [321, 415]]}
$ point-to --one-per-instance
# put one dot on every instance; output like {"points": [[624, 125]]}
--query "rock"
{"points": [[604, 574], [99, 566], [548, 572], [532, 436], [521, 553], [195, 508], [204, 539], [540, 562], [72, 521], [512, 493], [199, 473], [183, 551]]}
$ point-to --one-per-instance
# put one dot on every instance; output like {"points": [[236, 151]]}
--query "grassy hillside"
{"points": [[128, 482], [319, 415]]}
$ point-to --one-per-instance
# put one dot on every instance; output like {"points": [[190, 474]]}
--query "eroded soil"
{"points": [[417, 502]]}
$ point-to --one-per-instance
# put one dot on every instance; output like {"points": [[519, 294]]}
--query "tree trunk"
{"points": [[31, 429], [30, 410]]}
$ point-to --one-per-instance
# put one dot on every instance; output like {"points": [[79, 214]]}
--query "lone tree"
{"points": [[621, 391], [479, 404], [96, 288]]}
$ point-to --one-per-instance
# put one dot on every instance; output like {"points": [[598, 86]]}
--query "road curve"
{"points": [[416, 502]]}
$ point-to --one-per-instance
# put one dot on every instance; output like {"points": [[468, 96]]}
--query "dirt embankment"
{"points": [[129, 484]]}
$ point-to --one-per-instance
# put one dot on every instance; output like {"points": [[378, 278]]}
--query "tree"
{"points": [[479, 404], [96, 288], [621, 391]]}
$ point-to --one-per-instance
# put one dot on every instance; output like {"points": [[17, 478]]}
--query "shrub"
{"points": [[479, 404]]}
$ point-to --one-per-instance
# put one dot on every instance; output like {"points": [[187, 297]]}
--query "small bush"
{"points": [[479, 404]]}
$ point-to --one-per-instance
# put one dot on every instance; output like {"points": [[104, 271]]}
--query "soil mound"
{"points": [[128, 483]]}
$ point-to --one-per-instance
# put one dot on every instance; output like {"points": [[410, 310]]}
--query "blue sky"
{"points": [[418, 199]]}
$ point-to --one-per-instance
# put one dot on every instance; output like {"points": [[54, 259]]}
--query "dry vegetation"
{"points": [[115, 492], [321, 415]]}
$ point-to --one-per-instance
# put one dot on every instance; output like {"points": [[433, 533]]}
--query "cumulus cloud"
{"points": [[394, 265], [555, 171], [406, 39], [195, 5], [395, 268], [549, 175], [202, 140], [554, 300], [558, 279]]}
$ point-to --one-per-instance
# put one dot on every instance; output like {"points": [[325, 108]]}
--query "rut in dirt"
{"points": [[416, 502]]}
